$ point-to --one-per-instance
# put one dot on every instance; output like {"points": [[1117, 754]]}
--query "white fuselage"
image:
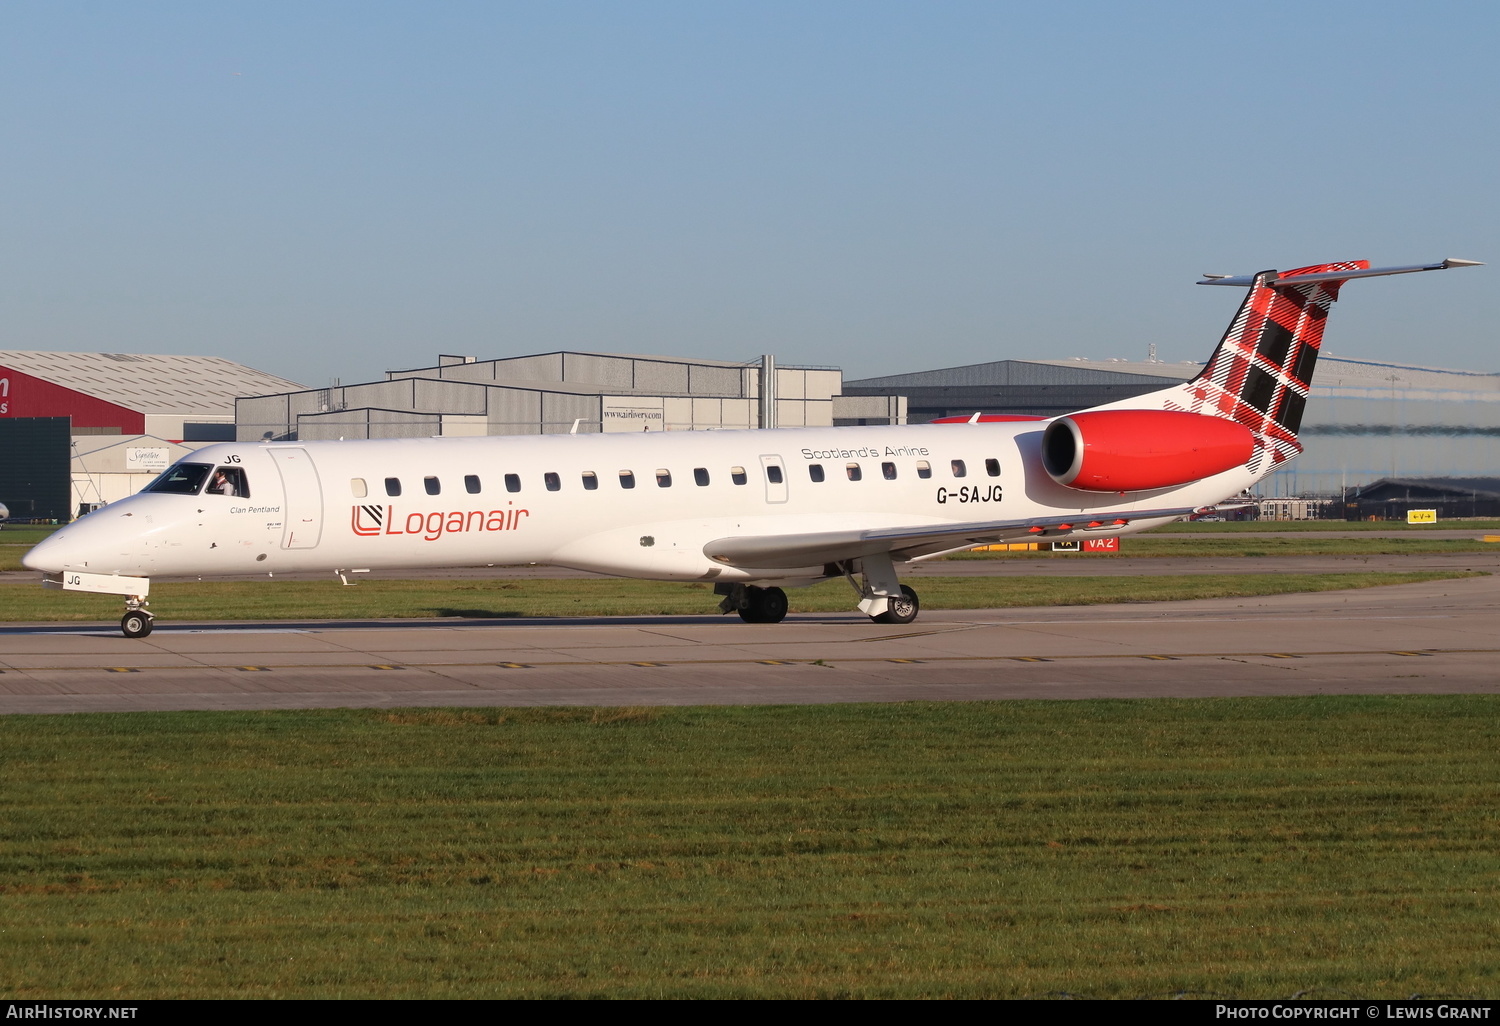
{"points": [[442, 502]]}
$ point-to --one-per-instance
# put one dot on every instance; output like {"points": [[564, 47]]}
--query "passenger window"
{"points": [[959, 470], [590, 481], [229, 481], [924, 469], [773, 474], [992, 468], [471, 484], [888, 471], [815, 472], [432, 484], [663, 478], [182, 479], [393, 486], [700, 475], [737, 475], [357, 487], [853, 471], [627, 479], [553, 482], [512, 482]]}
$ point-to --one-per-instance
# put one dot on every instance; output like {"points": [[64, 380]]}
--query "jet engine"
{"points": [[1130, 450]]}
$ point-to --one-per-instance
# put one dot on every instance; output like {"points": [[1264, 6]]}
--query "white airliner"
{"points": [[751, 511]]}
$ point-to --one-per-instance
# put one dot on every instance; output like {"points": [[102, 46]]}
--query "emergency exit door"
{"points": [[775, 474]]}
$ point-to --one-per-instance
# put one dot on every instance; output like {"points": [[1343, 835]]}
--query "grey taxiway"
{"points": [[1439, 636]]}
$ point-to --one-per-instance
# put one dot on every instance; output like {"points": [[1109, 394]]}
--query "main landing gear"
{"points": [[902, 609], [136, 623], [882, 597], [755, 605]]}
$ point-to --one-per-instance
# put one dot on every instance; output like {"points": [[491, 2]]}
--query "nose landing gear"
{"points": [[136, 623]]}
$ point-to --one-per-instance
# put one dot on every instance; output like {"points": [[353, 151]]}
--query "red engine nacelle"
{"points": [[1129, 450]]}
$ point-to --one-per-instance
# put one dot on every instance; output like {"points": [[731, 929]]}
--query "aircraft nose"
{"points": [[97, 544], [43, 556], [51, 555]]}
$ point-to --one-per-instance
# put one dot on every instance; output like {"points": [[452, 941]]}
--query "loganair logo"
{"points": [[369, 521]]}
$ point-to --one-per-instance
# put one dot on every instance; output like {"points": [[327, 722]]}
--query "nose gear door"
{"points": [[303, 497]]}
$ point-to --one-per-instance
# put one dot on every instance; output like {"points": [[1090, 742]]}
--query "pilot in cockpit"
{"points": [[228, 481]]}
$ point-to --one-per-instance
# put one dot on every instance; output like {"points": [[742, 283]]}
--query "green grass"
{"points": [[1477, 525], [1250, 847], [1155, 545], [1152, 545], [329, 600], [24, 534], [1230, 541], [15, 540]]}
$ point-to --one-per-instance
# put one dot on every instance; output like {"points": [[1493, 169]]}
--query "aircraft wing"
{"points": [[794, 550]]}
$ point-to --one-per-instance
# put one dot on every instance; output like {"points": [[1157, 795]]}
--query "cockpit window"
{"points": [[228, 481], [181, 479]]}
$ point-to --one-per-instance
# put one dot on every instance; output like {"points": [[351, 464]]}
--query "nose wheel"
{"points": [[136, 623]]}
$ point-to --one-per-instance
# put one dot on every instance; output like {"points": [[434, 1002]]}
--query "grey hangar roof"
{"points": [[150, 383]]}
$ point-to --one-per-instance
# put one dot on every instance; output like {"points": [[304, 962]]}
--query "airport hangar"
{"points": [[131, 414], [1367, 420], [82, 429], [562, 392]]}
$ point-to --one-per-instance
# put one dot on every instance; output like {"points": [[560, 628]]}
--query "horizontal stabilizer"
{"points": [[1271, 278], [798, 550]]}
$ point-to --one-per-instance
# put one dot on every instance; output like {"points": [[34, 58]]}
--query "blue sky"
{"points": [[334, 189]]}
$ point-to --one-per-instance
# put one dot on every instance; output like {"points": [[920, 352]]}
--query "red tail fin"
{"points": [[1260, 373]]}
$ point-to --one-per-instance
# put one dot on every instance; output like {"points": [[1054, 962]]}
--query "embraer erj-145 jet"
{"points": [[751, 511]]}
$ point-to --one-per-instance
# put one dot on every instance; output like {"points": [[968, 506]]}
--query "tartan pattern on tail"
{"points": [[1261, 371]]}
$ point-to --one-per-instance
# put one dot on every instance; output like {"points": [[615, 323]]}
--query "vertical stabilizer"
{"points": [[1261, 371]]}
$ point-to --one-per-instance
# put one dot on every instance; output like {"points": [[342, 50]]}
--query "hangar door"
{"points": [[36, 473]]}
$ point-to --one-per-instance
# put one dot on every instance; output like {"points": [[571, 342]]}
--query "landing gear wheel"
{"points": [[765, 605], [135, 624], [900, 610]]}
